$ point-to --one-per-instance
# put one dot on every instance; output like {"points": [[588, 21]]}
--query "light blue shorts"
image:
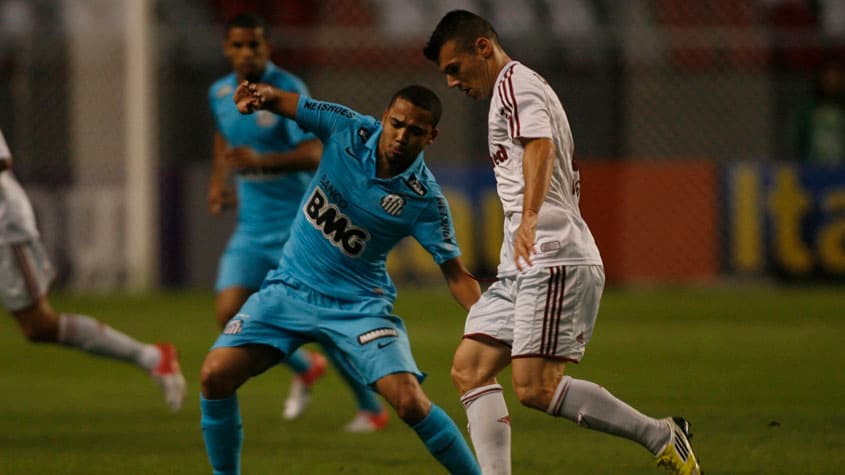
{"points": [[246, 261], [362, 335]]}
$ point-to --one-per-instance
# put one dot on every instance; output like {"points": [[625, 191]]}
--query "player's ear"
{"points": [[484, 46], [433, 135]]}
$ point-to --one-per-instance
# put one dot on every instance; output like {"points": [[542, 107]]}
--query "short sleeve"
{"points": [[324, 118], [435, 231], [531, 115]]}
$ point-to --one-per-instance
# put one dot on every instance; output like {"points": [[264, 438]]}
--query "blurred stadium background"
{"points": [[683, 115]]}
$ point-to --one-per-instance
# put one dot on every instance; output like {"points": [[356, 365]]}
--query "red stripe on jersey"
{"points": [[507, 106], [509, 78]]}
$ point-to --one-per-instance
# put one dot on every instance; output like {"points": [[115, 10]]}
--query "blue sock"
{"points": [[443, 439], [298, 361], [223, 434]]}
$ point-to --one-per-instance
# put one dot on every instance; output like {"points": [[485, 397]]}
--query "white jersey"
{"points": [[524, 106], [17, 221]]}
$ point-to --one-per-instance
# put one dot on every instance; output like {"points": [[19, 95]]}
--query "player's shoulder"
{"points": [[523, 77]]}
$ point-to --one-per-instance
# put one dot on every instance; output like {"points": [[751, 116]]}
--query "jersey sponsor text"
{"points": [[334, 225]]}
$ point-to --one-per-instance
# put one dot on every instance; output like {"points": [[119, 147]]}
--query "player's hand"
{"points": [[220, 197], [250, 97], [241, 157], [523, 244]]}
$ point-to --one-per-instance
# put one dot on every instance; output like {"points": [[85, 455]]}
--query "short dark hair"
{"points": [[247, 21], [460, 25], [423, 98]]}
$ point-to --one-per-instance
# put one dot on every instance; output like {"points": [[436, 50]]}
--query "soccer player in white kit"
{"points": [[540, 312], [25, 278]]}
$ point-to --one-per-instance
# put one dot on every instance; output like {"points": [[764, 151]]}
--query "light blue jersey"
{"points": [[267, 200], [331, 285], [349, 219]]}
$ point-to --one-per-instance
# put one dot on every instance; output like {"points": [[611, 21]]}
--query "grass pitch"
{"points": [[758, 371]]}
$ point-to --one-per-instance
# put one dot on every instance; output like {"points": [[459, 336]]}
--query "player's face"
{"points": [[468, 69], [248, 51], [406, 130]]}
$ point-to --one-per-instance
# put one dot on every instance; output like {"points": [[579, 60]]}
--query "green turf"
{"points": [[757, 370]]}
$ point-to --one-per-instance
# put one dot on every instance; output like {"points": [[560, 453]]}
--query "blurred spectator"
{"points": [[820, 127]]}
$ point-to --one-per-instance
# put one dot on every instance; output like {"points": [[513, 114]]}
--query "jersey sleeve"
{"points": [[435, 231], [298, 86], [324, 119], [531, 116]]}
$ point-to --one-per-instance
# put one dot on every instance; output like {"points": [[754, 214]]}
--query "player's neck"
{"points": [[500, 60], [388, 169]]}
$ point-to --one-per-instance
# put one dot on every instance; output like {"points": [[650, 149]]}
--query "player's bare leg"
{"points": [[436, 429], [307, 366], [41, 324], [474, 370], [223, 372], [541, 384]]}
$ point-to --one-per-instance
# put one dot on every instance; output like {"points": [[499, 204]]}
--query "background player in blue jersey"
{"points": [[372, 189], [274, 160]]}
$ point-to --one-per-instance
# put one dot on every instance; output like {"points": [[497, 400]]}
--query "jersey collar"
{"points": [[505, 70]]}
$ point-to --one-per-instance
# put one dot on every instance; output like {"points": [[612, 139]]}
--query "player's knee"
{"points": [[464, 378], [214, 380], [39, 329], [411, 406], [533, 395], [38, 334]]}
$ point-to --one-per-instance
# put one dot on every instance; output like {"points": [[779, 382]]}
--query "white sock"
{"points": [[590, 405], [489, 428], [97, 338]]}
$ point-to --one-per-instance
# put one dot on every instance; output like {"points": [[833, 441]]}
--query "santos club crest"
{"points": [[393, 204]]}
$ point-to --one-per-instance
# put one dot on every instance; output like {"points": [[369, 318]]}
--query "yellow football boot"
{"points": [[677, 457]]}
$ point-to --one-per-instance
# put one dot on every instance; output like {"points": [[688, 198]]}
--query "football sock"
{"points": [[299, 361], [590, 405], [489, 428], [444, 440], [223, 434], [365, 397], [95, 337]]}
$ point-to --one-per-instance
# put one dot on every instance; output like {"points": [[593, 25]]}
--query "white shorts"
{"points": [[547, 312], [25, 274]]}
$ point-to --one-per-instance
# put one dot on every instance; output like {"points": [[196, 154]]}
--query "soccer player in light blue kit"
{"points": [[275, 160], [372, 189]]}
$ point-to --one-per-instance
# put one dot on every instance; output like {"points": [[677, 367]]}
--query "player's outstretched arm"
{"points": [[464, 288], [5, 164], [250, 97]]}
